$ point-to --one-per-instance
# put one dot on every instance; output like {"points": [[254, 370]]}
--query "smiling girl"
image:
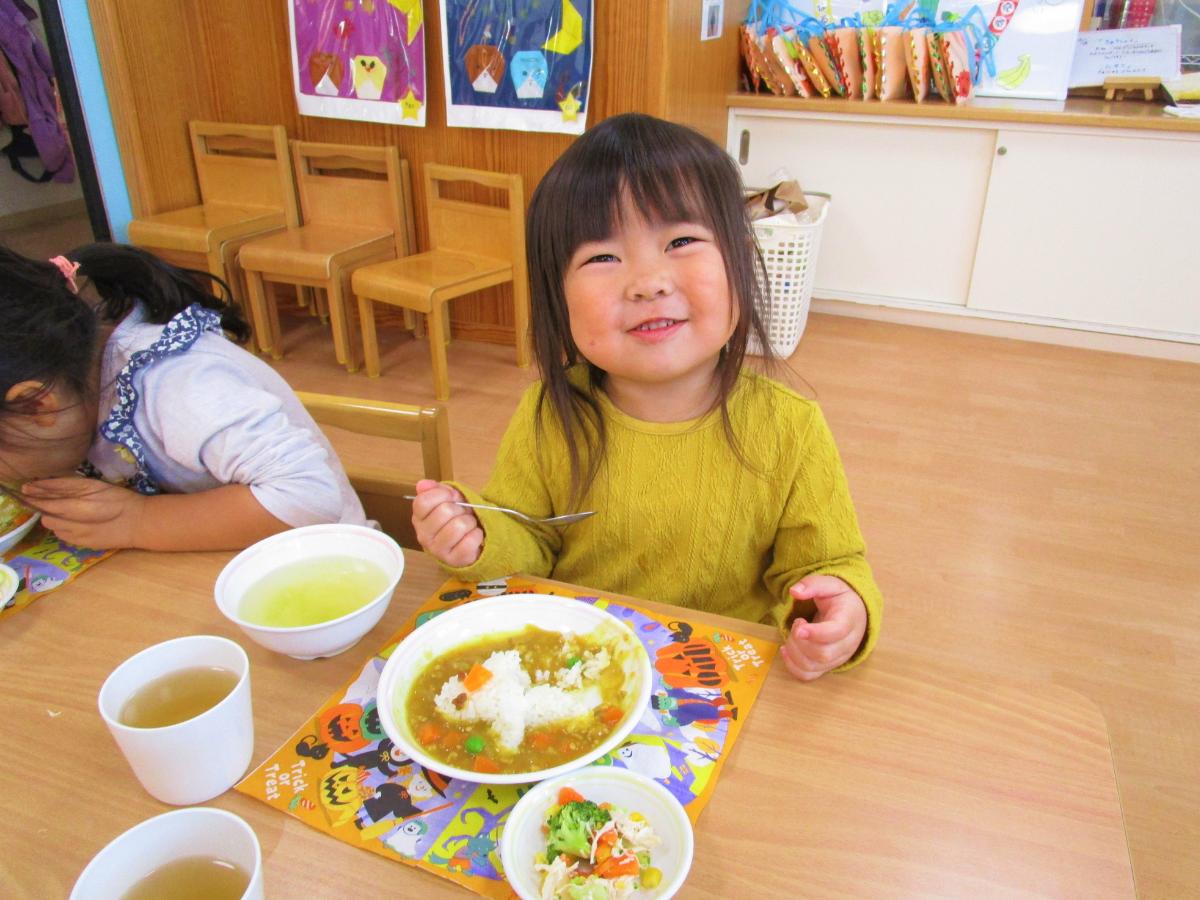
{"points": [[715, 488]]}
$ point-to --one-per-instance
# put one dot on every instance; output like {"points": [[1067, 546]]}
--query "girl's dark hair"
{"points": [[668, 173], [48, 333]]}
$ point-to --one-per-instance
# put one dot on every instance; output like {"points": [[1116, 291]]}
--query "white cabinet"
{"points": [[906, 200], [1046, 224], [1098, 229]]}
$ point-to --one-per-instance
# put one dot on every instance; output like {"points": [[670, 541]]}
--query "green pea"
{"points": [[474, 744], [573, 662]]}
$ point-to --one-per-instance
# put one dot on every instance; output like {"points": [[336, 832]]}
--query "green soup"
{"points": [[312, 591]]}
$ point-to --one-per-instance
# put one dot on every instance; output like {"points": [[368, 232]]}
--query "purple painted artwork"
{"points": [[363, 59]]}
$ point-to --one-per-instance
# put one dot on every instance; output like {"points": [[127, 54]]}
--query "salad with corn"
{"points": [[595, 851]]}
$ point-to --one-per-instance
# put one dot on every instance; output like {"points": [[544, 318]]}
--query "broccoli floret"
{"points": [[572, 827]]}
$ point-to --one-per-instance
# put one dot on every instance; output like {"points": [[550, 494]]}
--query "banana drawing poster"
{"points": [[341, 774], [359, 59], [525, 66], [1034, 42]]}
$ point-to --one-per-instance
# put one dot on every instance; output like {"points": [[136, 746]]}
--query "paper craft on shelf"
{"points": [[1122, 52]]}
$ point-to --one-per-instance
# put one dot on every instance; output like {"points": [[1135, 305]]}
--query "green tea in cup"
{"points": [[312, 591], [177, 696], [192, 878]]}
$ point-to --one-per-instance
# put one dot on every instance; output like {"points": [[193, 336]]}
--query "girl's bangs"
{"points": [[664, 185]]}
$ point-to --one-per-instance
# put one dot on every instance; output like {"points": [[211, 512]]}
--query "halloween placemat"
{"points": [[339, 773], [42, 563]]}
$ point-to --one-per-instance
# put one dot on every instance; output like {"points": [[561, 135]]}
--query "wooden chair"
{"points": [[472, 246], [356, 205], [246, 190], [382, 489]]}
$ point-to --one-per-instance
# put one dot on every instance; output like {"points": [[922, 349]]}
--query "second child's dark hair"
{"points": [[667, 173], [48, 333]]}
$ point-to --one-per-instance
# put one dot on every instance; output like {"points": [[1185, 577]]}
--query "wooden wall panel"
{"points": [[174, 60], [700, 74], [155, 59]]}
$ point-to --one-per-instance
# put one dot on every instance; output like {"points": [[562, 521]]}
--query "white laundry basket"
{"points": [[790, 254]]}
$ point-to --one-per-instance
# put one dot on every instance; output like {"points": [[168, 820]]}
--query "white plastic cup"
{"points": [[152, 844], [199, 758]]}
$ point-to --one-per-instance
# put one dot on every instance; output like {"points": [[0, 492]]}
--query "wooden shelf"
{"points": [[1076, 111]]}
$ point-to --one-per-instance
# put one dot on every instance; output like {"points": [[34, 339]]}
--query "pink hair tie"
{"points": [[68, 269]]}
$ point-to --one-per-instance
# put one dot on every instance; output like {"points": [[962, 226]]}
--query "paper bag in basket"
{"points": [[787, 196]]}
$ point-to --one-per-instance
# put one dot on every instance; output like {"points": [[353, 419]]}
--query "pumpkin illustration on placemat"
{"points": [[485, 64], [325, 70]]}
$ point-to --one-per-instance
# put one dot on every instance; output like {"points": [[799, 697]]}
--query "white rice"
{"points": [[510, 704]]}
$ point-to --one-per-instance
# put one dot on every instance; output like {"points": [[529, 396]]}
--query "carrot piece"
{"points": [[608, 837], [616, 866], [452, 739], [569, 795], [485, 764], [428, 734], [539, 740], [476, 678], [610, 715]]}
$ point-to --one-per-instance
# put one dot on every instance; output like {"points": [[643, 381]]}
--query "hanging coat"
{"points": [[35, 75]]}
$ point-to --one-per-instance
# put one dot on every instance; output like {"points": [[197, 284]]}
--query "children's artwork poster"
{"points": [[525, 66], [359, 59], [1033, 44], [342, 775], [42, 563]]}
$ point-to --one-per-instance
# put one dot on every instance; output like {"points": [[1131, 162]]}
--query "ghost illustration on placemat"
{"points": [[529, 71]]}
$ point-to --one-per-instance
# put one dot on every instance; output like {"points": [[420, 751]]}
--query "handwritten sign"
{"points": [[1126, 52]]}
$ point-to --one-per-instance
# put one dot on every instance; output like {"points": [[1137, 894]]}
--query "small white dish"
{"points": [[497, 616], [9, 539], [522, 839], [297, 545]]}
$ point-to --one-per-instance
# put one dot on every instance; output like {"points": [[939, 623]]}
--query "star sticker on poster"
{"points": [[570, 107], [410, 105]]}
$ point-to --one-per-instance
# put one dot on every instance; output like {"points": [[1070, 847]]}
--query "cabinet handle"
{"points": [[744, 147], [1001, 150]]}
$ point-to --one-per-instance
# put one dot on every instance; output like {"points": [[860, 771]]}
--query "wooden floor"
{"points": [[1031, 511]]}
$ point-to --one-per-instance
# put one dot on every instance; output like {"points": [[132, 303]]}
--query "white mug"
{"points": [[199, 758], [181, 833]]}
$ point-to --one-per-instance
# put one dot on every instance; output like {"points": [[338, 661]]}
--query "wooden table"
{"points": [[901, 778]]}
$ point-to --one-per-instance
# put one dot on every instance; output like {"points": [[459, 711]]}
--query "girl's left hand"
{"points": [[834, 634], [87, 512]]}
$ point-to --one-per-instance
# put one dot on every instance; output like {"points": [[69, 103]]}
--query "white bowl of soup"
{"points": [[312, 591], [514, 689]]}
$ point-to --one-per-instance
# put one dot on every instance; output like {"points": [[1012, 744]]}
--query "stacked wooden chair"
{"points": [[246, 191], [356, 209], [473, 246]]}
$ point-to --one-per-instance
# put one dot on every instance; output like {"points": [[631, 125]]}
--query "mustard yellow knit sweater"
{"points": [[679, 518]]}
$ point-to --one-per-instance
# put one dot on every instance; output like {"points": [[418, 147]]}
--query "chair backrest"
{"points": [[246, 165], [382, 489], [471, 227], [356, 187]]}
